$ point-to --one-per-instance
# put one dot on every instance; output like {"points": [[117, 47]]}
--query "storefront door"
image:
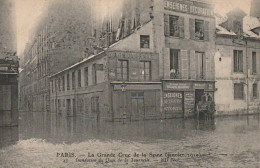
{"points": [[137, 106], [198, 95]]}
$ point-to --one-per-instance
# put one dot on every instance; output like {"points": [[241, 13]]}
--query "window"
{"points": [[79, 78], [94, 74], [238, 91], [199, 29], [63, 83], [59, 85], [73, 80], [86, 76], [52, 87], [174, 26], [145, 68], [200, 63], [174, 63], [238, 61], [122, 70], [68, 81], [237, 26], [255, 90], [254, 62], [144, 41], [95, 104]]}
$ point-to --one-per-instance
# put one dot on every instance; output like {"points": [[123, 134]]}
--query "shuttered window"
{"points": [[174, 64], [238, 91], [199, 29], [173, 26], [200, 63], [238, 61]]}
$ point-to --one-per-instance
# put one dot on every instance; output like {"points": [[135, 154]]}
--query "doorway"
{"points": [[137, 106], [198, 95]]}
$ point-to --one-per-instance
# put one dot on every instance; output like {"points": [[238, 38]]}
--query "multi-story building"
{"points": [[60, 39], [9, 64], [237, 64], [160, 68]]}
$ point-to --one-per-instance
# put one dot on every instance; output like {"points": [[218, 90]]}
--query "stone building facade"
{"points": [[160, 69], [237, 64], [60, 40], [9, 64]]}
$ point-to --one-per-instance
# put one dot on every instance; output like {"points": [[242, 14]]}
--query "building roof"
{"points": [[94, 56], [249, 24]]}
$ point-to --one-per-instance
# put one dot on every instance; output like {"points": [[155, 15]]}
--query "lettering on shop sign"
{"points": [[199, 85], [189, 102], [188, 7], [173, 103], [178, 86]]}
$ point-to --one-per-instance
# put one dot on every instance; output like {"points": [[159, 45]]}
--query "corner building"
{"points": [[158, 66], [185, 33]]}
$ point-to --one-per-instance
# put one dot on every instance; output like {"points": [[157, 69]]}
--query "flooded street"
{"points": [[48, 140]]}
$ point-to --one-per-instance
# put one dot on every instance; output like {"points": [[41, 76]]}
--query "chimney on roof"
{"points": [[254, 10]]}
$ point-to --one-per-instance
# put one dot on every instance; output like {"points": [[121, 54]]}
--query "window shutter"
{"points": [[206, 30], [192, 29], [181, 26], [166, 25]]}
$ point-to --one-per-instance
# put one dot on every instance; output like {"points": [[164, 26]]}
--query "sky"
{"points": [[28, 11]]}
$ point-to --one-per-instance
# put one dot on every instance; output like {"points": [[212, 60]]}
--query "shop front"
{"points": [[180, 97], [136, 101]]}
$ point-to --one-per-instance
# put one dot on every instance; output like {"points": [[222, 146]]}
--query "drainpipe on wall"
{"points": [[247, 80]]}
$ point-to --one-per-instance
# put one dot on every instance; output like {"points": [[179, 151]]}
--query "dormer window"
{"points": [[237, 27]]}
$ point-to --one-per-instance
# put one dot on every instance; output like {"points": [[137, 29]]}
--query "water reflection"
{"points": [[59, 129], [223, 142], [8, 136]]}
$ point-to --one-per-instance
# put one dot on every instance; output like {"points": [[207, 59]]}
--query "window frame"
{"points": [[238, 63], [143, 39], [86, 76], [79, 78], [68, 81], [120, 67], [173, 63], [202, 22], [255, 90], [175, 22], [143, 68], [237, 95], [254, 63]]}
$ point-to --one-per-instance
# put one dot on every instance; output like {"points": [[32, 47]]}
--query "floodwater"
{"points": [[50, 140]]}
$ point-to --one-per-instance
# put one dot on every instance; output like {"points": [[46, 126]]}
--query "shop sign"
{"points": [[177, 86], [188, 7], [173, 104], [189, 103], [200, 86]]}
